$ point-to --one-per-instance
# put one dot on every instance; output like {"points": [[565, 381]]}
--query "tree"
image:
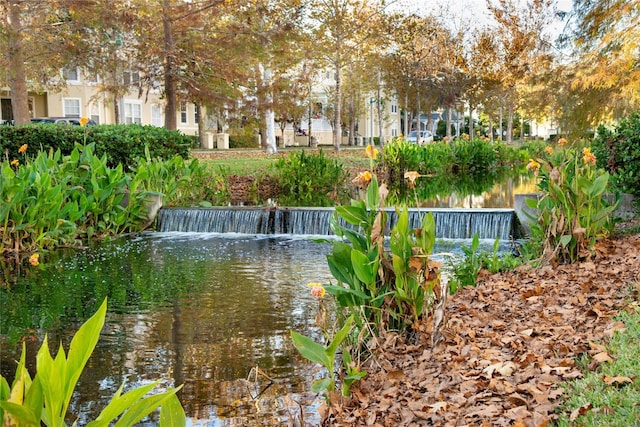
{"points": [[412, 65], [341, 29], [604, 72], [38, 39], [522, 44]]}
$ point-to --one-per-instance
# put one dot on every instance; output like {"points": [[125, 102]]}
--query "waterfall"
{"points": [[450, 223]]}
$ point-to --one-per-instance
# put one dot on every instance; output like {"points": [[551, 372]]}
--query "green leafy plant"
{"points": [[309, 180], [325, 356], [618, 151], [54, 200], [383, 288], [572, 213], [465, 271], [44, 399], [352, 372]]}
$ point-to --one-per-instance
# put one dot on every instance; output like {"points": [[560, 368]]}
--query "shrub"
{"points": [[309, 180], [122, 144], [618, 151]]}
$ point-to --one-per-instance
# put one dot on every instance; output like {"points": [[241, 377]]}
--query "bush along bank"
{"points": [[122, 144], [54, 200]]}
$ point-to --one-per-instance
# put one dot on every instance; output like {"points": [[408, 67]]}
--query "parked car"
{"points": [[425, 137], [74, 121]]}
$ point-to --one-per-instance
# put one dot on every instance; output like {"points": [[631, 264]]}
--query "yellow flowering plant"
{"points": [[572, 214], [385, 279]]}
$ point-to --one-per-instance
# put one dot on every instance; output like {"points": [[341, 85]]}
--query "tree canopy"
{"points": [[259, 59]]}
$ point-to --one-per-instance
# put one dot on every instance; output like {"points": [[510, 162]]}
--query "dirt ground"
{"points": [[507, 345]]}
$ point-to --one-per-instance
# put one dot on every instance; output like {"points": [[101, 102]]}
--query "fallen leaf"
{"points": [[617, 380], [505, 369], [580, 411], [602, 357], [438, 406]]}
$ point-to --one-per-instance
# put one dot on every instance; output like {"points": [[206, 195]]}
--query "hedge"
{"points": [[121, 143]]}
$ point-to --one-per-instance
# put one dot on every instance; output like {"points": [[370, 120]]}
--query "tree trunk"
{"points": [[170, 85], [202, 136], [269, 115], [310, 120], [379, 104], [491, 128], [500, 136], [17, 80], [509, 123], [471, 132], [337, 128], [406, 115]]}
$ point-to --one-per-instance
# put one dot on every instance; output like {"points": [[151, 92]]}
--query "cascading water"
{"points": [[450, 223]]}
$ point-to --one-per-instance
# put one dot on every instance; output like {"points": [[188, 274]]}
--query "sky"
{"points": [[467, 14], [463, 12]]}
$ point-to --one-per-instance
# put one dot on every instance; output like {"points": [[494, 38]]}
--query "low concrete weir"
{"points": [[450, 223]]}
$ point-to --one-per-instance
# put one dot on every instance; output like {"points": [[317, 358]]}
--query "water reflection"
{"points": [[211, 312], [497, 195], [197, 310], [488, 190]]}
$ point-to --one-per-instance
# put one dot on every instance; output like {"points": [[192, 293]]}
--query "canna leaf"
{"points": [[311, 350], [172, 413]]}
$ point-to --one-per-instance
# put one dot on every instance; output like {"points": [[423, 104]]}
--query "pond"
{"points": [[211, 311], [193, 309]]}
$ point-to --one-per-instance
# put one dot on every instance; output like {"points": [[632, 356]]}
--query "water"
{"points": [[193, 309], [200, 309], [450, 223]]}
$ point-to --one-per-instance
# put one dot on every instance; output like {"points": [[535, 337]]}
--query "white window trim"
{"points": [[157, 107], [124, 112], [76, 81], [65, 113], [98, 108], [184, 111]]}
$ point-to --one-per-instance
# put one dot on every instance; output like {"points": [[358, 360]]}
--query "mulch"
{"points": [[507, 345]]}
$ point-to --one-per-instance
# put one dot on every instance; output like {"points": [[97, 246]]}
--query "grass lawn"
{"points": [[258, 163], [610, 394]]}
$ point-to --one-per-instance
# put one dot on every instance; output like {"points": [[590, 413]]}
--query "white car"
{"points": [[425, 137]]}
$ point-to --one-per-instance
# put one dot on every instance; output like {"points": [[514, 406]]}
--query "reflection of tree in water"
{"points": [[259, 400], [198, 312], [492, 189]]}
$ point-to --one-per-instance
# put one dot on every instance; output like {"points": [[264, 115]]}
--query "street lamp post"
{"points": [[371, 101]]}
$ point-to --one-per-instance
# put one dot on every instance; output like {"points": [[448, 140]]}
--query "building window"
{"points": [[95, 112], [394, 108], [156, 115], [71, 74], [71, 107], [130, 77], [394, 132], [132, 112], [184, 119]]}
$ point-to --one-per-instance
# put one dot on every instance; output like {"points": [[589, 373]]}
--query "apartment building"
{"points": [[82, 97]]}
